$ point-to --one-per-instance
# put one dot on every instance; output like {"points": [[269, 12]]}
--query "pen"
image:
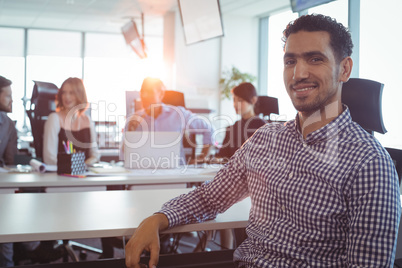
{"points": [[65, 147], [73, 176], [71, 147]]}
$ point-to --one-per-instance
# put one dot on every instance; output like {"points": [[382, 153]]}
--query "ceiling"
{"points": [[111, 15]]}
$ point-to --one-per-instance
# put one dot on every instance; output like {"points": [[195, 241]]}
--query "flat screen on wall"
{"points": [[201, 20], [133, 39], [300, 5]]}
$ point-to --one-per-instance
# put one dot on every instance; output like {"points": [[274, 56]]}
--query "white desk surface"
{"points": [[51, 216], [134, 177]]}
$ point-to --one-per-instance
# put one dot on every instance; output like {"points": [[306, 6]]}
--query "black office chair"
{"points": [[364, 99], [42, 104], [176, 98], [265, 106]]}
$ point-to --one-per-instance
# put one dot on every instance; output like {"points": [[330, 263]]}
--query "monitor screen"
{"points": [[300, 5], [201, 20], [133, 39]]}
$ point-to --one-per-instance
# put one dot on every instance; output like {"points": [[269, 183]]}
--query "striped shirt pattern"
{"points": [[330, 200]]}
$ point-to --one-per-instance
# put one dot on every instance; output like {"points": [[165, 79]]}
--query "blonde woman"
{"points": [[70, 123]]}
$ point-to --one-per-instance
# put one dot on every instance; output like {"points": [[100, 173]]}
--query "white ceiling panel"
{"points": [[111, 15]]}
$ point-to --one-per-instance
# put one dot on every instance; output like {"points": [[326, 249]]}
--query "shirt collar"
{"points": [[328, 131]]}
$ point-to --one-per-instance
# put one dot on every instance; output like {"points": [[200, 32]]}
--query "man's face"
{"points": [[150, 96], [311, 74], [6, 100]]}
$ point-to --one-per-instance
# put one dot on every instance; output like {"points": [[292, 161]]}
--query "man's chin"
{"points": [[5, 109]]}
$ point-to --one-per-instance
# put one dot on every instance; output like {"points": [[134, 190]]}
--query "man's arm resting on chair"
{"points": [[146, 237]]}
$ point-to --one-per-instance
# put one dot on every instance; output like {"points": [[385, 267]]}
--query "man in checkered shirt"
{"points": [[324, 192]]}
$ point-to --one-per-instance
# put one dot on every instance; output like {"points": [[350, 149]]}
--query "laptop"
{"points": [[152, 149]]}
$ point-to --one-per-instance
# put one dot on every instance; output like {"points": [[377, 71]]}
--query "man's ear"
{"points": [[345, 69]]}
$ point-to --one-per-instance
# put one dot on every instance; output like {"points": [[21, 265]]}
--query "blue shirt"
{"points": [[330, 200], [176, 119]]}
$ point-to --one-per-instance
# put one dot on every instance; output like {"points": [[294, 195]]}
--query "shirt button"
{"points": [[271, 237]]}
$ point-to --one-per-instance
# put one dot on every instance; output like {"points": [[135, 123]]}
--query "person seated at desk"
{"points": [[324, 192], [244, 99], [70, 123], [8, 149], [8, 133], [157, 116]]}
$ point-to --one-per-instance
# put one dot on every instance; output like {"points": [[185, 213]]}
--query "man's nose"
{"points": [[300, 71]]}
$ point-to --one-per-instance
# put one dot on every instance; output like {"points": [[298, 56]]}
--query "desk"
{"points": [[51, 216], [9, 182]]}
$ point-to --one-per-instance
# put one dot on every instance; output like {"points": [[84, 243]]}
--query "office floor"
{"points": [[188, 243]]}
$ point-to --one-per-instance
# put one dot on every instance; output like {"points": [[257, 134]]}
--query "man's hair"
{"points": [[152, 83], [340, 38], [4, 82]]}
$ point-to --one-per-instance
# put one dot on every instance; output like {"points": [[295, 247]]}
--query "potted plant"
{"points": [[231, 78]]}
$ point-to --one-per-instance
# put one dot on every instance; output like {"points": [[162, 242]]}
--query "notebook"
{"points": [[144, 150]]}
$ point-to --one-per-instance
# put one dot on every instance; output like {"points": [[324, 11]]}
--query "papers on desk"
{"points": [[108, 170]]}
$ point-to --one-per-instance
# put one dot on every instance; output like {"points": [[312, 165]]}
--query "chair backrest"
{"points": [[364, 99], [174, 98], [42, 104], [266, 106]]}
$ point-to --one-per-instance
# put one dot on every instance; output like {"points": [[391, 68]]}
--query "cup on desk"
{"points": [[73, 164]]}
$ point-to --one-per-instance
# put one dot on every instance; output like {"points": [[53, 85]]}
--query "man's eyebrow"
{"points": [[304, 55]]}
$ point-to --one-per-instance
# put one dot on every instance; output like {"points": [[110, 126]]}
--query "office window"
{"points": [[53, 56], [381, 61], [276, 87], [336, 9], [112, 68], [12, 67]]}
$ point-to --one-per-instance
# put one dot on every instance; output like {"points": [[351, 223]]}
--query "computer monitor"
{"points": [[300, 5], [201, 20]]}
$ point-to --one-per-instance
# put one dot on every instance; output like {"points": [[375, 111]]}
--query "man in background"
{"points": [[157, 116], [8, 133]]}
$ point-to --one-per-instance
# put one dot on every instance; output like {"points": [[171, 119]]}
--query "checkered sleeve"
{"points": [[206, 201], [374, 214]]}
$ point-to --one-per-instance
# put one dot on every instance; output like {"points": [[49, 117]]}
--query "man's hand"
{"points": [[146, 237], [133, 122]]}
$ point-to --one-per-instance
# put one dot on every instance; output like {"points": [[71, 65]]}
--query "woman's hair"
{"points": [[246, 91], [79, 91], [340, 38]]}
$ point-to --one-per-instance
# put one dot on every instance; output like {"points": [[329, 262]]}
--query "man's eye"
{"points": [[316, 60], [289, 62]]}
